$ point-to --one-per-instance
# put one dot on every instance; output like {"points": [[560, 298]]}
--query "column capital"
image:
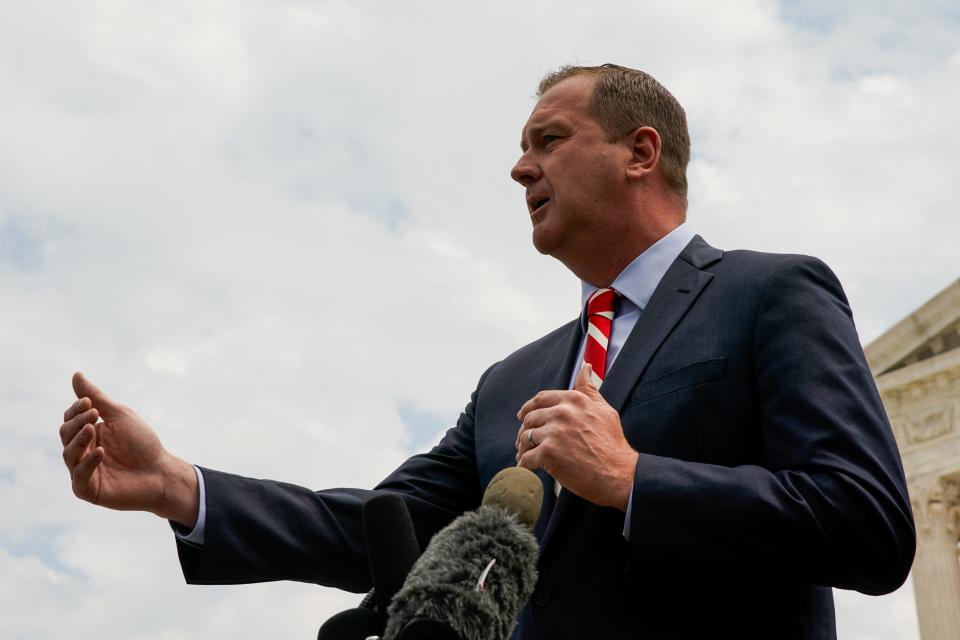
{"points": [[936, 507]]}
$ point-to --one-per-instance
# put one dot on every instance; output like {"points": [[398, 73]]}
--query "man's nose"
{"points": [[525, 172]]}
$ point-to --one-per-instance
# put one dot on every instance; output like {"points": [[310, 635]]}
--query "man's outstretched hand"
{"points": [[119, 463], [577, 438]]}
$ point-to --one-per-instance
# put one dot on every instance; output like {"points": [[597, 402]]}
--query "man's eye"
{"points": [[549, 139]]}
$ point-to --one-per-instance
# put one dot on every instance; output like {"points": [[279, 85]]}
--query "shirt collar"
{"points": [[637, 282]]}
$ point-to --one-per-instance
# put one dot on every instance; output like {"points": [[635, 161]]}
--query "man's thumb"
{"points": [[84, 388], [586, 380]]}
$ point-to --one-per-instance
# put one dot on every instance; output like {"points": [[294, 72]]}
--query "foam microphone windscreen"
{"points": [[477, 572], [392, 546]]}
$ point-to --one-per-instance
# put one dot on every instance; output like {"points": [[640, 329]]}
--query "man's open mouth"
{"points": [[536, 203]]}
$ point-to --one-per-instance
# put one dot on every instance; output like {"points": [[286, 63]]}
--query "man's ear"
{"points": [[644, 143]]}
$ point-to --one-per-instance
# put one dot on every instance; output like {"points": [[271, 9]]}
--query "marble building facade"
{"points": [[917, 368]]}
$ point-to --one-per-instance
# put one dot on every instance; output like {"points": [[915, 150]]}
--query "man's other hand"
{"points": [[577, 438], [119, 462]]}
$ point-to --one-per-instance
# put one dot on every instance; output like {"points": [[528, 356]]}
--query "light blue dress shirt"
{"points": [[635, 284]]}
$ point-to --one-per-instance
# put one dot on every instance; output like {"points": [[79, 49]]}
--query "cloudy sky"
{"points": [[284, 232]]}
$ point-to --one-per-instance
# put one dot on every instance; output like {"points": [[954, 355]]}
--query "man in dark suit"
{"points": [[734, 464]]}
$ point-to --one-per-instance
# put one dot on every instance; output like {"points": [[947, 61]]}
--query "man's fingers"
{"points": [[82, 475], [524, 442], [542, 399], [587, 381], [558, 414], [540, 435], [83, 387], [70, 428], [526, 461], [534, 419], [74, 450], [583, 376], [533, 460], [80, 404]]}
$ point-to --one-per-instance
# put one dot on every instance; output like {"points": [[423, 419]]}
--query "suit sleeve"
{"points": [[828, 505], [263, 530]]}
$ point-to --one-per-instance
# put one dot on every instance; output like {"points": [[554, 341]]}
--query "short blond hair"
{"points": [[625, 99]]}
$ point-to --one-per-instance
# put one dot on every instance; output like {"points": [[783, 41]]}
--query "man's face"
{"points": [[573, 176]]}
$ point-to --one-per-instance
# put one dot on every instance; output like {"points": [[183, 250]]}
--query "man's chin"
{"points": [[543, 241]]}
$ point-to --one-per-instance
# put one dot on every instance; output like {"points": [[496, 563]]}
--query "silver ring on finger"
{"points": [[530, 438]]}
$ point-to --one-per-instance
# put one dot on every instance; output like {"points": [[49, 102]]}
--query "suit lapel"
{"points": [[679, 288]]}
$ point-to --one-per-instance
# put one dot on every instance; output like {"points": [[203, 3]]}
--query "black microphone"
{"points": [[392, 549], [353, 624], [392, 546], [477, 572]]}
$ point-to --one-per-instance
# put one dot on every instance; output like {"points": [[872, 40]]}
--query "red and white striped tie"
{"points": [[599, 321]]}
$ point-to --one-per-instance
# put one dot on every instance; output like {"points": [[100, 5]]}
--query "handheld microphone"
{"points": [[392, 549], [477, 573]]}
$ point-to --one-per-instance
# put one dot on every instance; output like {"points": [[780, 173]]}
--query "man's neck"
{"points": [[638, 280], [611, 262]]}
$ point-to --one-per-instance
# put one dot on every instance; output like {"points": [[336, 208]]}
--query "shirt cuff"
{"points": [[626, 519], [194, 538]]}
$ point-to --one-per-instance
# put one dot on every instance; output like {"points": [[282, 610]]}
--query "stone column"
{"points": [[936, 569]]}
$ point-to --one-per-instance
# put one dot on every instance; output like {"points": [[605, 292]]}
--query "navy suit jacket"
{"points": [[767, 473]]}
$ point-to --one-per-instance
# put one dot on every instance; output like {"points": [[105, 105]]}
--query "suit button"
{"points": [[541, 597]]}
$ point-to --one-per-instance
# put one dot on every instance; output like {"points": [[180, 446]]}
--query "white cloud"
{"points": [[236, 217]]}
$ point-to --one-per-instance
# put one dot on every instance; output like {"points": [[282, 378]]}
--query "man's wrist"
{"points": [[625, 488], [180, 497]]}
